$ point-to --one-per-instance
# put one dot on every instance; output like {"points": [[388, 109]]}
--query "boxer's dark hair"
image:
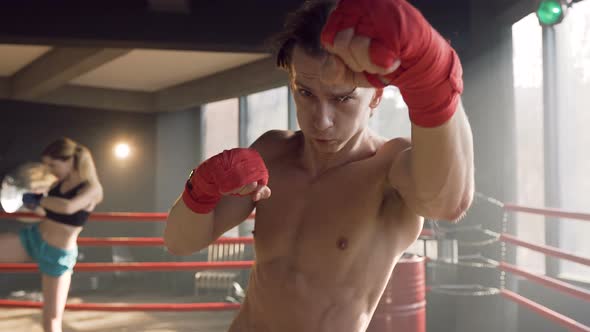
{"points": [[302, 28]]}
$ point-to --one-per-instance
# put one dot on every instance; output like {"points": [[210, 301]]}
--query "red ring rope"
{"points": [[551, 251], [105, 216], [547, 281], [149, 241], [157, 241], [125, 307], [548, 212], [571, 324], [134, 266], [101, 216]]}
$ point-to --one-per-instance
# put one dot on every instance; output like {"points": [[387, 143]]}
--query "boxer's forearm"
{"points": [[441, 167], [57, 204], [40, 211], [187, 232]]}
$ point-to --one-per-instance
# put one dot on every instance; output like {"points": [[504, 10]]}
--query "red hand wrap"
{"points": [[430, 75], [225, 172]]}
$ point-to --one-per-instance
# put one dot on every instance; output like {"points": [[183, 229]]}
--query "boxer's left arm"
{"points": [[381, 42], [435, 173], [39, 211], [90, 194], [31, 201]]}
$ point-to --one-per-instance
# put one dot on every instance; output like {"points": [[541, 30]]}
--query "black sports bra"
{"points": [[78, 218]]}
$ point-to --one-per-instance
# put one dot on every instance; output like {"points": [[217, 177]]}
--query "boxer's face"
{"points": [[329, 114], [60, 168]]}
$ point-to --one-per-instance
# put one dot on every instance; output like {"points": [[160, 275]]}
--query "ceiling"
{"points": [[36, 72], [15, 57], [152, 70], [135, 70]]}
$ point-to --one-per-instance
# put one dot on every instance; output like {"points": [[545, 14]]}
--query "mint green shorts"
{"points": [[52, 261]]}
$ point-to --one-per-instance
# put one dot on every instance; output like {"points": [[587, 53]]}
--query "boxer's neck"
{"points": [[358, 147]]}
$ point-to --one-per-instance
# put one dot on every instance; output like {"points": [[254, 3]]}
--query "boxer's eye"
{"points": [[343, 99], [346, 97], [304, 93]]}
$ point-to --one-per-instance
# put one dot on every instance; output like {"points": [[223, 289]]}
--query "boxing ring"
{"points": [[415, 317], [505, 267]]}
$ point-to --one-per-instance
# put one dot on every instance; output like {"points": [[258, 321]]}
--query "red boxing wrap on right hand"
{"points": [[430, 74], [222, 173]]}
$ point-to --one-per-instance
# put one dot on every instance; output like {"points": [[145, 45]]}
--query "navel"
{"points": [[342, 243]]}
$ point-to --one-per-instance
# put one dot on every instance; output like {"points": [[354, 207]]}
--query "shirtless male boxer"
{"points": [[345, 202]]}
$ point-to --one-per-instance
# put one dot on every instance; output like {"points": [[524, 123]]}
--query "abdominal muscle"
{"points": [[59, 235], [283, 300]]}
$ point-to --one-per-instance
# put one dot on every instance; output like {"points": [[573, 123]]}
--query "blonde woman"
{"points": [[52, 242]]}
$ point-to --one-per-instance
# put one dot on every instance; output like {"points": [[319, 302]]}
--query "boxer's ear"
{"points": [[376, 99]]}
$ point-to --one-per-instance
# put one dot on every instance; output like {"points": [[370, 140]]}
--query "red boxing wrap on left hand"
{"points": [[430, 74]]}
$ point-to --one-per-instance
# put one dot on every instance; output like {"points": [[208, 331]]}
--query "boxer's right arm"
{"points": [[210, 204], [188, 232]]}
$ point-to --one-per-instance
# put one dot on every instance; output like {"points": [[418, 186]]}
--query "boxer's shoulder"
{"points": [[387, 151], [391, 148], [275, 143]]}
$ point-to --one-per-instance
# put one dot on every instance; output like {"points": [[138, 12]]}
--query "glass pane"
{"points": [[266, 110], [391, 119], [574, 46], [528, 89], [220, 123]]}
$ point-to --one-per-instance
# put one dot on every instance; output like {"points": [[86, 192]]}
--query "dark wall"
{"points": [[179, 148], [450, 18]]}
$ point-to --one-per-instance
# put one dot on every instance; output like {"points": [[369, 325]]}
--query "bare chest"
{"points": [[328, 225]]}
